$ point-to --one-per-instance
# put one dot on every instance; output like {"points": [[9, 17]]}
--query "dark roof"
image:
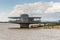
{"points": [[24, 15]]}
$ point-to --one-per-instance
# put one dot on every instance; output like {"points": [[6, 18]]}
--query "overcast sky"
{"points": [[49, 10]]}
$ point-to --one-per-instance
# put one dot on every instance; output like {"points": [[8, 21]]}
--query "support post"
{"points": [[24, 25]]}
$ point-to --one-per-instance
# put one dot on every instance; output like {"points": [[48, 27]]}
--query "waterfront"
{"points": [[27, 34]]}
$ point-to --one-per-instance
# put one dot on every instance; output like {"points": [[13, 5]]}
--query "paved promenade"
{"points": [[27, 34]]}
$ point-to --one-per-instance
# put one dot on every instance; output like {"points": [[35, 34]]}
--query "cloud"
{"points": [[4, 17], [31, 8], [42, 9], [54, 8], [50, 19]]}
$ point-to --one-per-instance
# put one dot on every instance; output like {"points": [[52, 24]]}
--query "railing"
{"points": [[18, 21]]}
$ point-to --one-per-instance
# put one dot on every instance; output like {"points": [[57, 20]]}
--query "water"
{"points": [[27, 34]]}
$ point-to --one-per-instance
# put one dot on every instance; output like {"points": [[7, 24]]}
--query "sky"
{"points": [[49, 10]]}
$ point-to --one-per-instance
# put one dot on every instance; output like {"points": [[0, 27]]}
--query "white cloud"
{"points": [[4, 17], [55, 8], [38, 9], [49, 19], [31, 8]]}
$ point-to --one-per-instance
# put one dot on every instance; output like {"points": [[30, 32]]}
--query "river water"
{"points": [[6, 33]]}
